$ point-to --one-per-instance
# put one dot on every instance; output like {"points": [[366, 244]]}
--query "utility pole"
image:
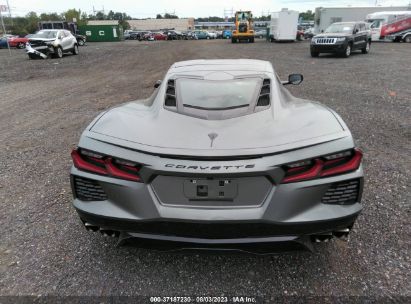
{"points": [[8, 6], [4, 29]]}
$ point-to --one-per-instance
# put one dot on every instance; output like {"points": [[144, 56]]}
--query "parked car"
{"points": [[18, 42], [136, 35], [221, 161], [342, 38], [51, 42], [212, 34], [300, 35], [227, 34], [148, 36], [191, 35], [174, 35], [3, 43], [160, 36], [260, 33], [81, 39], [202, 35], [309, 33], [219, 34]]}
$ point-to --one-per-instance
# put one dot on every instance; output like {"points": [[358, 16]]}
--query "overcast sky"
{"points": [[183, 8]]}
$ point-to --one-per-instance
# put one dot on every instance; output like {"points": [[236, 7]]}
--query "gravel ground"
{"points": [[45, 105]]}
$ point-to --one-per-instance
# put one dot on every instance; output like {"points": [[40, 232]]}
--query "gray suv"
{"points": [[342, 38], [51, 42]]}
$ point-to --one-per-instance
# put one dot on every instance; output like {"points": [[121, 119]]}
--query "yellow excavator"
{"points": [[244, 27]]}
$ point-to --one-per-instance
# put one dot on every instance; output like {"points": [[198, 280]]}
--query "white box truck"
{"points": [[283, 25]]}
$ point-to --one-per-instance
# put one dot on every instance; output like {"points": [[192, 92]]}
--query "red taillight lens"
{"points": [[338, 163], [123, 171], [96, 163], [342, 164], [303, 172], [88, 163]]}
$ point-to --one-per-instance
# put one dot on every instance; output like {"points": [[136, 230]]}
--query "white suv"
{"points": [[51, 42]]}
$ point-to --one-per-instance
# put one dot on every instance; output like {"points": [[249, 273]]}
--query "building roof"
{"points": [[102, 22]]}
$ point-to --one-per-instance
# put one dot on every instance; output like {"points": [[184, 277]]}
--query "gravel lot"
{"points": [[45, 105]]}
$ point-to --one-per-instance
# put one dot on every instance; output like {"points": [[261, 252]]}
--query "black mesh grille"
{"points": [[88, 190], [342, 193], [263, 101], [171, 91], [171, 100], [264, 97]]}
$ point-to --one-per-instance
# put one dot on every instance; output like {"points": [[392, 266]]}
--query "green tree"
{"points": [[124, 24], [32, 22], [101, 16], [307, 16], [159, 16], [170, 16], [110, 15], [71, 14], [83, 19], [51, 17]]}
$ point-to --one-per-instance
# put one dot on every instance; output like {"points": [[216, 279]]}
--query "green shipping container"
{"points": [[101, 33]]}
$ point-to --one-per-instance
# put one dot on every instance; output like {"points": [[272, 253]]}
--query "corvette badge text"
{"points": [[209, 167]]}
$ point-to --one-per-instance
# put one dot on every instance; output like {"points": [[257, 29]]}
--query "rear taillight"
{"points": [[89, 163], [96, 163], [123, 170], [333, 164]]}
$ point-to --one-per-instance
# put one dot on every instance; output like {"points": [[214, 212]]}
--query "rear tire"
{"points": [[20, 45], [75, 50], [315, 54], [366, 50], [407, 39], [81, 42], [58, 52]]}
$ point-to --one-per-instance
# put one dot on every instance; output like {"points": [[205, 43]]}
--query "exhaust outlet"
{"points": [[111, 233], [342, 234], [91, 227], [322, 238]]}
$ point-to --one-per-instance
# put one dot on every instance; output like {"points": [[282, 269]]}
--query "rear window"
{"points": [[218, 95]]}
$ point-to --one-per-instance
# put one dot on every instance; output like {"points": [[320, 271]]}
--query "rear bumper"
{"points": [[250, 237], [211, 231]]}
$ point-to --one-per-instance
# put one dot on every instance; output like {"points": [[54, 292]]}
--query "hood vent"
{"points": [[264, 97], [170, 100]]}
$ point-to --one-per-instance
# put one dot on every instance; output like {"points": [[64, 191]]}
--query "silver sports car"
{"points": [[220, 156]]}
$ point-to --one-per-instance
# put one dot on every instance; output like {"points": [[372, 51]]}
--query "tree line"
{"points": [[29, 23]]}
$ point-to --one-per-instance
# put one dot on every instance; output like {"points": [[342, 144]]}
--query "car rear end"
{"points": [[258, 203]]}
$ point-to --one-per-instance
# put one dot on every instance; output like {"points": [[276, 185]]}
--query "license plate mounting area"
{"points": [[210, 189]]}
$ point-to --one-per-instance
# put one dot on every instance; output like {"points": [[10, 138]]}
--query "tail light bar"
{"points": [[105, 165], [333, 164]]}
